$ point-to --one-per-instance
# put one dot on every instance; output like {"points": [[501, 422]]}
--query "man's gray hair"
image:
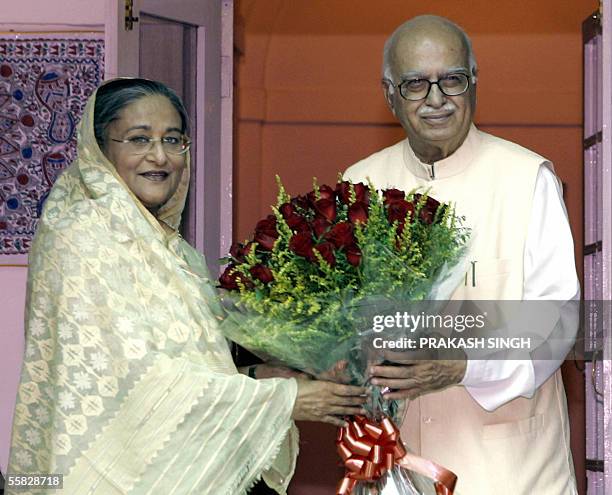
{"points": [[467, 43]]}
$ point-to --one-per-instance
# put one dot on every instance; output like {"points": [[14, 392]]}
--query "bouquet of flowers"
{"points": [[304, 289]]}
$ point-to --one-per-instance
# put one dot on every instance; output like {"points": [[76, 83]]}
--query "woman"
{"points": [[127, 385]]}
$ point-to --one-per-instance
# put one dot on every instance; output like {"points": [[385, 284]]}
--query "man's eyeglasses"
{"points": [[141, 145], [418, 89]]}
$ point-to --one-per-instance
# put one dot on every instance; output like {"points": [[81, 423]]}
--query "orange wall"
{"points": [[309, 104]]}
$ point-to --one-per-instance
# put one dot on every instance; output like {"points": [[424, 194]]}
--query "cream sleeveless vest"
{"points": [[521, 448]]}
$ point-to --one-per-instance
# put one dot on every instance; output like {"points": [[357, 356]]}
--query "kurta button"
{"points": [[427, 420]]}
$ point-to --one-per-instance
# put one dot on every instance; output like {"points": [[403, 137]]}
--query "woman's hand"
{"points": [[327, 402], [272, 371], [264, 370]]}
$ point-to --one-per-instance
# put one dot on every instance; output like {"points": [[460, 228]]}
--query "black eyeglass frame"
{"points": [[437, 83]]}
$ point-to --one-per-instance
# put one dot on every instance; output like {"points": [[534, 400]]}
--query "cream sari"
{"points": [[127, 385]]}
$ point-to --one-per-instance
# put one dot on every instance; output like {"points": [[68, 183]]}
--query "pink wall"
{"points": [[12, 299], [328, 118], [24, 16]]}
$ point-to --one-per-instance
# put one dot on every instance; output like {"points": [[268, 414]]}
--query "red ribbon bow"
{"points": [[369, 449]]}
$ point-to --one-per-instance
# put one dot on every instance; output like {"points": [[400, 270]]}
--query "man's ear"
{"points": [[388, 91]]}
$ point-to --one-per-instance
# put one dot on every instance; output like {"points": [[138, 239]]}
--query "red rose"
{"points": [[286, 210], [264, 241], [302, 226], [239, 251], [320, 226], [302, 244], [341, 235], [353, 255], [362, 193], [428, 211], [326, 249], [266, 233], [300, 202], [230, 276], [391, 195], [325, 192], [267, 225], [343, 190], [261, 272], [399, 210], [326, 208], [295, 222], [358, 212]]}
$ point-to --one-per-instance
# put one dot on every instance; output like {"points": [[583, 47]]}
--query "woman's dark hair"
{"points": [[114, 96]]}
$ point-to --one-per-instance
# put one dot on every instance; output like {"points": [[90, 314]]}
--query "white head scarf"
{"points": [[127, 385]]}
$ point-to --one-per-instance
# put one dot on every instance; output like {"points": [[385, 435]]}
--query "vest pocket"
{"points": [[513, 428], [494, 267]]}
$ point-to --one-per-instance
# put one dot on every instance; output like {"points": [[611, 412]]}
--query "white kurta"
{"points": [[506, 431]]}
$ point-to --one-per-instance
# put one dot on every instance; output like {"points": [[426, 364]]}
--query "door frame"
{"points": [[607, 234], [214, 116]]}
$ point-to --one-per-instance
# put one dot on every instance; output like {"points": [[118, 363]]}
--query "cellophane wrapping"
{"points": [[305, 290]]}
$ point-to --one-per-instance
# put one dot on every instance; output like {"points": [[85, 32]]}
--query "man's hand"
{"points": [[327, 402], [338, 374], [410, 379]]}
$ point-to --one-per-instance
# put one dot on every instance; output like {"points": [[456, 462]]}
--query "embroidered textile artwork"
{"points": [[44, 84]]}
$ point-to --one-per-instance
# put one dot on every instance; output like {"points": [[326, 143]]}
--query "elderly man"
{"points": [[501, 426]]}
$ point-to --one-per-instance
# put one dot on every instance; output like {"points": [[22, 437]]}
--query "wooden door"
{"points": [[188, 45]]}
